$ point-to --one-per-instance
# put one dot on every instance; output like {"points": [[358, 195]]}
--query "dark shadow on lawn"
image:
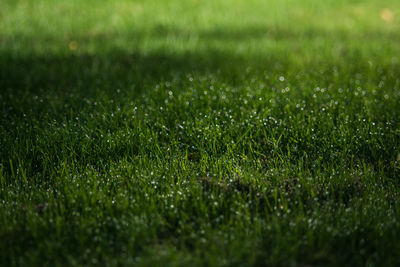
{"points": [[116, 68], [120, 70]]}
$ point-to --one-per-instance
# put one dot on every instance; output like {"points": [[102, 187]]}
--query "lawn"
{"points": [[202, 133]]}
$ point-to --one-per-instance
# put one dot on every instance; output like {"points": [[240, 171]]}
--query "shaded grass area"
{"points": [[222, 146]]}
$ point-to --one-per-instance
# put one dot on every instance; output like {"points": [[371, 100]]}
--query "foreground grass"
{"points": [[216, 133]]}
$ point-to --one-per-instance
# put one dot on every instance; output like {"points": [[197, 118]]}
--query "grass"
{"points": [[217, 133]]}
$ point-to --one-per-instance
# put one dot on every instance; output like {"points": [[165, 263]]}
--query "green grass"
{"points": [[217, 133]]}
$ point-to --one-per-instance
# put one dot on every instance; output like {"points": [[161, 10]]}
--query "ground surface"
{"points": [[203, 132]]}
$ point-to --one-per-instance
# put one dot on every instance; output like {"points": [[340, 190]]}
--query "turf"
{"points": [[218, 133]]}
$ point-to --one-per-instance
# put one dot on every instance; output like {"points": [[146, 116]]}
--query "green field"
{"points": [[200, 133]]}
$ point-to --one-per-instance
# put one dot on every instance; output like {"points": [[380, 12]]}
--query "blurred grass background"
{"points": [[190, 25]]}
